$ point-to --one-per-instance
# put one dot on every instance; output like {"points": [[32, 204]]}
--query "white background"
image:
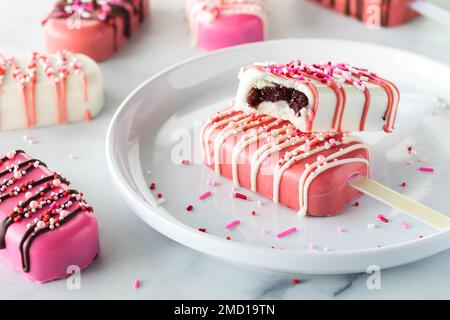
{"points": [[130, 249]]}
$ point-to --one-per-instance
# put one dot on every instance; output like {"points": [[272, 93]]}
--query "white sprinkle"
{"points": [[370, 226]]}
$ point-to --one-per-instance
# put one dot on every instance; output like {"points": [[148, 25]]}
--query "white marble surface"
{"points": [[130, 249]]}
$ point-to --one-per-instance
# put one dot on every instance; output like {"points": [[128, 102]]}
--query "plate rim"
{"points": [[139, 204]]}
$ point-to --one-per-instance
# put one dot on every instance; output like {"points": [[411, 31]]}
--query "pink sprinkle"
{"points": [[405, 225], [136, 284], [233, 224], [426, 169], [186, 162], [286, 232], [340, 230], [382, 218], [213, 183], [205, 195]]}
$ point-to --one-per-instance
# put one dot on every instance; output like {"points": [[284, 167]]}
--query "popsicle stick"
{"points": [[431, 11], [399, 201]]}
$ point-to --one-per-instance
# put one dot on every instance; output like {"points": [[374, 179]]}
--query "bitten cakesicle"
{"points": [[319, 97], [385, 13], [39, 90], [93, 27], [306, 172], [216, 24], [46, 226]]}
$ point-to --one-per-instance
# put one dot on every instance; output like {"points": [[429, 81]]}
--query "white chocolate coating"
{"points": [[349, 99], [38, 90]]}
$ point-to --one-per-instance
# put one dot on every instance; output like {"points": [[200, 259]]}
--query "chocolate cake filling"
{"points": [[295, 99]]}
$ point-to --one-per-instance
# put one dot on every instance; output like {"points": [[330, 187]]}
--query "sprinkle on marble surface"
{"points": [[382, 218], [356, 204], [287, 232], [409, 148], [159, 195], [228, 238], [136, 284], [295, 281], [186, 162], [403, 184], [420, 236], [202, 230], [152, 186], [190, 207], [253, 213]]}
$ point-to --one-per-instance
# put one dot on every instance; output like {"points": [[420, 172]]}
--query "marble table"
{"points": [[130, 249]]}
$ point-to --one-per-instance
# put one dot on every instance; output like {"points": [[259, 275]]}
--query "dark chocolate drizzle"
{"points": [[295, 99], [118, 11], [31, 234], [124, 14], [385, 10]]}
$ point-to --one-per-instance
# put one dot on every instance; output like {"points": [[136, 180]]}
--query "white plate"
{"points": [[143, 136]]}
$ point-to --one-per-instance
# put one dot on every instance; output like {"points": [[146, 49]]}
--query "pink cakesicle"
{"points": [[305, 172], [94, 29], [386, 13], [47, 229], [220, 24]]}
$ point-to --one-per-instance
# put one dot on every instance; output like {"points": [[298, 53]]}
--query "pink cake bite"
{"points": [[93, 27], [385, 13], [47, 227], [216, 24], [303, 171]]}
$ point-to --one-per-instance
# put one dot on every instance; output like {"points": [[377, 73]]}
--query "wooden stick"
{"points": [[399, 201]]}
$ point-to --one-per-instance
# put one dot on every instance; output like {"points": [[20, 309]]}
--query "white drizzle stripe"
{"points": [[227, 132], [304, 209], [309, 175], [245, 142], [258, 160], [214, 127], [279, 171]]}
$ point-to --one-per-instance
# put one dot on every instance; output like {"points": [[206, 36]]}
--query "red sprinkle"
{"points": [[228, 238], [253, 213], [186, 162], [152, 186], [356, 204], [190, 207], [421, 236], [202, 229], [296, 281], [403, 184], [409, 149], [159, 195], [240, 196], [383, 218]]}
